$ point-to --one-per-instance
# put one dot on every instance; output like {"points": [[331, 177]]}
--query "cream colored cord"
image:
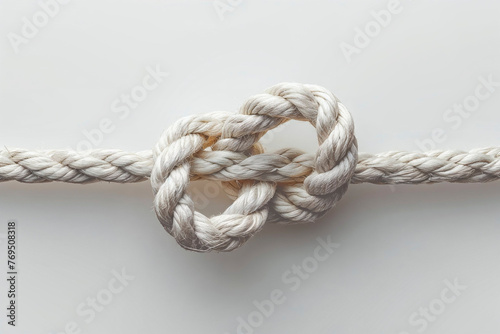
{"points": [[287, 186]]}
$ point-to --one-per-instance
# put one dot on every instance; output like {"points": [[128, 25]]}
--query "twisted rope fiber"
{"points": [[287, 186], [288, 165]]}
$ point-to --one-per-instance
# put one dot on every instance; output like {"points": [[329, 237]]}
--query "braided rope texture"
{"points": [[219, 135], [395, 167], [287, 186]]}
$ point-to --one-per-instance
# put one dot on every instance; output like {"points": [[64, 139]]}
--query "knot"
{"points": [[287, 186]]}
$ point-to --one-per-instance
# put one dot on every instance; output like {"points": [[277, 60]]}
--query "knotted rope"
{"points": [[287, 186]]}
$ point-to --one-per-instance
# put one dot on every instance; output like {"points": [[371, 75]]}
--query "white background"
{"points": [[398, 245]]}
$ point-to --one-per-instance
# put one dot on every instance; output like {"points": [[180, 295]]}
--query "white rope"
{"points": [[288, 165], [287, 186]]}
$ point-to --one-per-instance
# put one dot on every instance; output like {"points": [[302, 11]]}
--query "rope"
{"points": [[287, 186], [288, 165]]}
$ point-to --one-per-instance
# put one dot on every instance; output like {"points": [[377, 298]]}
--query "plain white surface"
{"points": [[397, 244]]}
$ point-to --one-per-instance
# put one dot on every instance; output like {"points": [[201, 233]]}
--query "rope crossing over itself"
{"points": [[287, 186]]}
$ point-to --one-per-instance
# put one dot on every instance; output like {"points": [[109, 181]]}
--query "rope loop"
{"points": [[287, 186]]}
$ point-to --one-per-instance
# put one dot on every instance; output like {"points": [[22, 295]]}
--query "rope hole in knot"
{"points": [[286, 186]]}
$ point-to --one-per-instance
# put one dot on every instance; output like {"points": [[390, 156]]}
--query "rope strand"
{"points": [[289, 165]]}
